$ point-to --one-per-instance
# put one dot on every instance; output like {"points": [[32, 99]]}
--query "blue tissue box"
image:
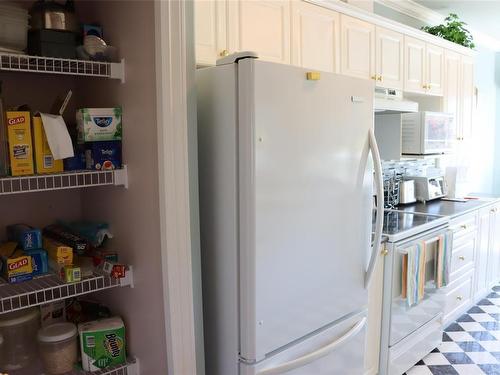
{"points": [[27, 237], [39, 261]]}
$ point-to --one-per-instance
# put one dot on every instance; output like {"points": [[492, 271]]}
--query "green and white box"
{"points": [[102, 343], [99, 124]]}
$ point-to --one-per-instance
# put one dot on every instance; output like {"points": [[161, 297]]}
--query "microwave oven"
{"points": [[427, 133]]}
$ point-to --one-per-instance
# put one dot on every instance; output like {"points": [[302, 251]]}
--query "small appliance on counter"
{"points": [[429, 188], [407, 192]]}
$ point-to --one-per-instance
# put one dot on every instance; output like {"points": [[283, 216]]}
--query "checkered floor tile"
{"points": [[471, 345]]}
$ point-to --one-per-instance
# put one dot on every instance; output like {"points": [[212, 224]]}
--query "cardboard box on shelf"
{"points": [[105, 155], [99, 124], [44, 160], [15, 265], [29, 238], [58, 252], [20, 143]]}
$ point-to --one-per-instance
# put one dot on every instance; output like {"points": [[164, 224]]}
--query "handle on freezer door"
{"points": [[311, 357], [379, 222]]}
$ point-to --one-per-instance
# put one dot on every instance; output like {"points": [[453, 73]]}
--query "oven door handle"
{"points": [[379, 221]]}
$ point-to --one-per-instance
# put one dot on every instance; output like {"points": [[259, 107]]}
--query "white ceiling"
{"points": [[481, 15]]}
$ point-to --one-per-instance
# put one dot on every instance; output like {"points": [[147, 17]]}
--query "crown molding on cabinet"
{"points": [[412, 9], [356, 12]]}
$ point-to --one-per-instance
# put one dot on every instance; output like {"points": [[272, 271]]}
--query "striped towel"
{"points": [[443, 259], [413, 275]]}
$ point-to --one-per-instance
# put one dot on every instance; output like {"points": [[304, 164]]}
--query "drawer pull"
{"points": [[459, 298], [461, 257], [463, 226]]}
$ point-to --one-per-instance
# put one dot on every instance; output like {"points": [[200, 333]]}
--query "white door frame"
{"points": [[172, 79]]}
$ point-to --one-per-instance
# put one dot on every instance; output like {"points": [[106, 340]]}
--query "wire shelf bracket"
{"points": [[55, 65]]}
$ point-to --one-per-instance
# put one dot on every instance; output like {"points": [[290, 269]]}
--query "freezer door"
{"points": [[305, 183], [338, 350]]}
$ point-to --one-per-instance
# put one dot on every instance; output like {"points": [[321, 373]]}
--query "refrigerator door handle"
{"points": [[379, 222], [317, 354]]}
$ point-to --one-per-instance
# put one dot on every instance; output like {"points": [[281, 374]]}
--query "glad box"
{"points": [[15, 265], [99, 124], [20, 144]]}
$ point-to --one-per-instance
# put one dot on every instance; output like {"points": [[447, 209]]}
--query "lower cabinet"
{"points": [[458, 297]]}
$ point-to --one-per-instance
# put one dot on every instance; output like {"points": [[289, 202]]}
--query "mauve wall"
{"points": [[133, 213]]}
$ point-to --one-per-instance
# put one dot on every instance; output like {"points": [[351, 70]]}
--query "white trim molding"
{"points": [[413, 9], [173, 166]]}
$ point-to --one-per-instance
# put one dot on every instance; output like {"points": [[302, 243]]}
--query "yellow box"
{"points": [[20, 144], [58, 252], [16, 266], [44, 160]]}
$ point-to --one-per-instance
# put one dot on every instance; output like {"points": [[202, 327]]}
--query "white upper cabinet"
{"points": [[434, 69], [357, 48], [315, 37], [414, 65], [389, 58], [210, 31], [424, 67], [452, 83], [467, 96], [260, 26]]}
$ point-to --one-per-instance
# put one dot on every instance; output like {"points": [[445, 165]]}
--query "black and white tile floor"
{"points": [[471, 345]]}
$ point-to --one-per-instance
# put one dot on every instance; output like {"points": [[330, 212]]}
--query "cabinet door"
{"points": [[357, 48], [483, 244], [434, 69], [451, 98], [262, 26], [414, 65], [315, 37], [389, 54], [467, 95], [494, 256], [210, 30]]}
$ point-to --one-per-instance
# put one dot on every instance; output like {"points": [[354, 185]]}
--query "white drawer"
{"points": [[458, 296], [464, 226], [462, 258]]}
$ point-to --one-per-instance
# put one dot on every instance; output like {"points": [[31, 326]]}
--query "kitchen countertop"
{"points": [[447, 208]]}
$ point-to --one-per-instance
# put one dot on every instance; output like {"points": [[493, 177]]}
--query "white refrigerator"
{"points": [[286, 173]]}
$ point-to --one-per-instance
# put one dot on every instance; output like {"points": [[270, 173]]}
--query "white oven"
{"points": [[427, 133], [410, 332]]}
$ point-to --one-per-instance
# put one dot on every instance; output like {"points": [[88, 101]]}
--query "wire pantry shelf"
{"points": [[54, 65], [50, 288], [131, 367], [61, 181]]}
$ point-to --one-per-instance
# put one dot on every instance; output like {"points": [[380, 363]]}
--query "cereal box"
{"points": [[99, 124], [15, 265], [44, 160], [20, 144]]}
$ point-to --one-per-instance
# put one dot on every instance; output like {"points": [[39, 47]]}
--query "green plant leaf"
{"points": [[453, 30]]}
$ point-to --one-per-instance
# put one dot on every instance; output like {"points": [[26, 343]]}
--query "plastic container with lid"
{"points": [[58, 347], [18, 331], [14, 25]]}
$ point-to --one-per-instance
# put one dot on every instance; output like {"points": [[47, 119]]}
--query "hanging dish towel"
{"points": [[443, 259], [413, 274]]}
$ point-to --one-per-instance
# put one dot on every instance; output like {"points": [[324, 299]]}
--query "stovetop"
{"points": [[399, 225]]}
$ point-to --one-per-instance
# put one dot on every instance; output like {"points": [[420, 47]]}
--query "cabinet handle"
{"points": [[384, 252], [424, 86], [461, 257], [380, 78], [459, 298], [374, 77], [463, 226], [224, 53]]}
